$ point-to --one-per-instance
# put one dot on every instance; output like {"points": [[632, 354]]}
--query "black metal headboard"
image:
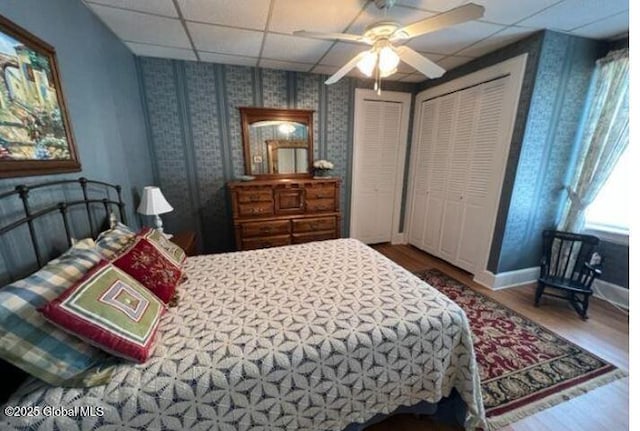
{"points": [[25, 209], [28, 214]]}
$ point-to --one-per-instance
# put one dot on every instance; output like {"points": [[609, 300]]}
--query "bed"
{"points": [[317, 336]]}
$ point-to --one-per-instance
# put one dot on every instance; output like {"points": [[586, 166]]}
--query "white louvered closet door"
{"points": [[422, 166], [440, 159], [482, 184], [454, 161], [456, 176], [377, 169]]}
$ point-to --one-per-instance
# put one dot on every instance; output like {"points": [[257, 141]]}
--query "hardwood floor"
{"points": [[605, 334]]}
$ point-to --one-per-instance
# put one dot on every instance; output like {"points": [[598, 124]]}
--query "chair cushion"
{"points": [[111, 310]]}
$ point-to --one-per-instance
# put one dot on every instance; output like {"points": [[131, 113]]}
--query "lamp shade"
{"points": [[153, 202]]}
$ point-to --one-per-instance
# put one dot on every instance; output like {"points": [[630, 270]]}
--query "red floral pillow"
{"points": [[144, 262]]}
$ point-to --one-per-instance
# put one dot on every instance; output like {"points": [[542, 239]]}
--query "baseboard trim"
{"points": [[610, 292], [507, 279]]}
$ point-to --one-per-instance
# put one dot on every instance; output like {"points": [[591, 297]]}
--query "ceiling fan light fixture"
{"points": [[388, 73], [368, 63], [388, 61]]}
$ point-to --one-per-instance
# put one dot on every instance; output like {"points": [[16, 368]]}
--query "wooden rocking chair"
{"points": [[566, 267]]}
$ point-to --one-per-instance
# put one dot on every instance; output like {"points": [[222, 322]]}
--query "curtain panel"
{"points": [[605, 137]]}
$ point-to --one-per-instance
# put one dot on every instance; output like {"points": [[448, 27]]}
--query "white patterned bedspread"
{"points": [[307, 337]]}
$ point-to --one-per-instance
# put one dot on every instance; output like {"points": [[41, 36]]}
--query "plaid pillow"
{"points": [[110, 310], [112, 241], [30, 342]]}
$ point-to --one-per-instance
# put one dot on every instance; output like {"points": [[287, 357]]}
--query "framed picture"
{"points": [[35, 133]]}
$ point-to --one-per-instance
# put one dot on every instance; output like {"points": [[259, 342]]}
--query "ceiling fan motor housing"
{"points": [[384, 4]]}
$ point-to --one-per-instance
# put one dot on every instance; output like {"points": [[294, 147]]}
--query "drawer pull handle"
{"points": [[265, 229], [256, 210]]}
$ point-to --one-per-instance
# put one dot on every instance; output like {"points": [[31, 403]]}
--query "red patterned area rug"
{"points": [[524, 368]]}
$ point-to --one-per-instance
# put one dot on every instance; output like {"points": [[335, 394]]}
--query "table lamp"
{"points": [[153, 203]]}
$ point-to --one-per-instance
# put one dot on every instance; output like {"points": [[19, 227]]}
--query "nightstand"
{"points": [[187, 241]]}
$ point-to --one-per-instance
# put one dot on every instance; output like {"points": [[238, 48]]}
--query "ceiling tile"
{"points": [[606, 28], [239, 60], [342, 52], [285, 65], [414, 77], [159, 7], [399, 14], [453, 39], [144, 28], [313, 15], [291, 48], [395, 77], [498, 40], [433, 5], [570, 14], [161, 51], [225, 40], [325, 70], [235, 13], [454, 61], [496, 11]]}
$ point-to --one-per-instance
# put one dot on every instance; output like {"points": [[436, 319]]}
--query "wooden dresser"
{"points": [[270, 213]]}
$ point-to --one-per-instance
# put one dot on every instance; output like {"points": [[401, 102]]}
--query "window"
{"points": [[609, 212]]}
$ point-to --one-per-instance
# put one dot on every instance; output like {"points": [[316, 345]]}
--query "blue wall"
{"points": [[558, 101], [103, 98], [194, 124]]}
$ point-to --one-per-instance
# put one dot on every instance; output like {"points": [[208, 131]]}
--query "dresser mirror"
{"points": [[277, 142]]}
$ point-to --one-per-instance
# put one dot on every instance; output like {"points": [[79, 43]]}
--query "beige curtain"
{"points": [[605, 137]]}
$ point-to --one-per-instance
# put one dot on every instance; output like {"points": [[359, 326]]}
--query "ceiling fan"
{"points": [[385, 38]]}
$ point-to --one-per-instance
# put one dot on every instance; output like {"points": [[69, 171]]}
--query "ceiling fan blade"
{"points": [[419, 62], [345, 69], [461, 14], [332, 36]]}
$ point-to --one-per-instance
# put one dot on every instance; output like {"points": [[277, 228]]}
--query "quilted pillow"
{"points": [[110, 242], [31, 343], [168, 248], [111, 310], [150, 266]]}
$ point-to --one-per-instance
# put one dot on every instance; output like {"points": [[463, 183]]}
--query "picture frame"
{"points": [[35, 130]]}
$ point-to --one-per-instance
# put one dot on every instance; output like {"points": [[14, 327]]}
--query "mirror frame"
{"points": [[250, 115]]}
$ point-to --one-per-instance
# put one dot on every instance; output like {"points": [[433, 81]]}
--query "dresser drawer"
{"points": [[265, 242], [265, 228], [255, 209], [317, 205], [299, 238], [314, 224], [245, 196], [322, 192]]}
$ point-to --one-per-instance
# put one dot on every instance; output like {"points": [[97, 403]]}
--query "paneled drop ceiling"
{"points": [[258, 32]]}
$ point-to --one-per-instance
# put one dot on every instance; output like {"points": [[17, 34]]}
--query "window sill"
{"points": [[608, 234]]}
